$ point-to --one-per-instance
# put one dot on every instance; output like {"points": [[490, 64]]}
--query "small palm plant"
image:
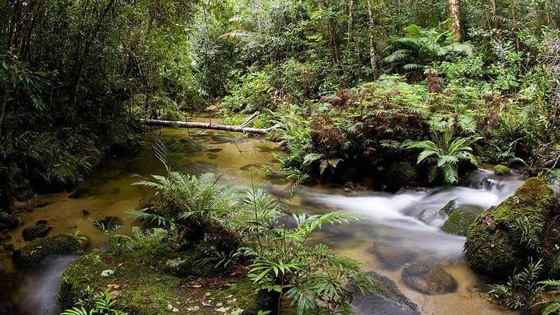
{"points": [[445, 153], [312, 277]]}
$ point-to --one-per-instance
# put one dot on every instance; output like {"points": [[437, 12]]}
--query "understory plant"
{"points": [[245, 227], [101, 303], [523, 291], [444, 153]]}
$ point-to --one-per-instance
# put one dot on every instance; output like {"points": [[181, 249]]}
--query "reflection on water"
{"points": [[394, 228]]}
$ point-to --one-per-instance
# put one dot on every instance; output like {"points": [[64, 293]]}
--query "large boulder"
{"points": [[35, 251], [460, 219], [504, 238], [385, 300], [428, 279]]}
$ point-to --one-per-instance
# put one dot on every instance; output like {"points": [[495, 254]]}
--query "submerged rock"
{"points": [[80, 193], [504, 238], [460, 219], [392, 257], [8, 221], [40, 230], [37, 250], [428, 279], [385, 300]]}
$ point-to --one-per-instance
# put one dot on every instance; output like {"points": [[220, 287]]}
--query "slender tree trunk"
{"points": [[372, 53], [3, 105], [514, 21], [350, 21], [494, 13], [85, 54], [331, 29], [454, 14]]}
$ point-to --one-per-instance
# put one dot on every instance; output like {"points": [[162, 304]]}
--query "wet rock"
{"points": [[109, 223], [8, 221], [494, 246], [35, 251], [392, 257], [449, 207], [385, 300], [80, 193], [502, 170], [460, 219], [40, 230], [250, 166], [428, 279]]}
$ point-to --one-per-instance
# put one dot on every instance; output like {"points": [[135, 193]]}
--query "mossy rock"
{"points": [[428, 279], [496, 245], [40, 230], [401, 174], [143, 288], [460, 219], [502, 170], [38, 249]]}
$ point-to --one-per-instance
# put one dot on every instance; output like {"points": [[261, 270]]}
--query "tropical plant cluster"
{"points": [[246, 226]]}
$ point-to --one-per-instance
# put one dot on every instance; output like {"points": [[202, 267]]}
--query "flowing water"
{"points": [[405, 226]]}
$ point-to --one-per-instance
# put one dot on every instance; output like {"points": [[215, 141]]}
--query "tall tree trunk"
{"points": [[494, 13], [372, 53], [82, 59], [3, 105], [514, 21], [454, 14], [331, 29], [350, 21]]}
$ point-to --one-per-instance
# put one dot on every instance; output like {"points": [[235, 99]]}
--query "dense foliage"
{"points": [[253, 231]]}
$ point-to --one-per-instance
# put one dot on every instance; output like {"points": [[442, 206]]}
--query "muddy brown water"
{"points": [[406, 223]]}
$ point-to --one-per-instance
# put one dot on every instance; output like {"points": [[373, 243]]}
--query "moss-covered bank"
{"points": [[143, 287]]}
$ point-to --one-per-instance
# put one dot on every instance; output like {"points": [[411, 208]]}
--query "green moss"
{"points": [[401, 174], [460, 219], [38, 249], [145, 289], [504, 237], [502, 170]]}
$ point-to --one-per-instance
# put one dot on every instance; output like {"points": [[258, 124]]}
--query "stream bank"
{"points": [[395, 229]]}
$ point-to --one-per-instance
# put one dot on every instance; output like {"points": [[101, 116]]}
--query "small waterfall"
{"points": [[41, 286], [412, 219]]}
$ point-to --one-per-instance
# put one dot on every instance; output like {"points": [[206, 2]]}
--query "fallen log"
{"points": [[201, 125]]}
